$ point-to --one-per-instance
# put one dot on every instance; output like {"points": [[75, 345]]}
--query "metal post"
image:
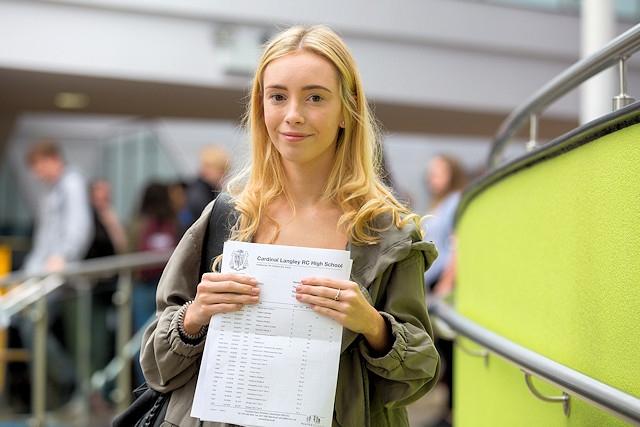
{"points": [[533, 132], [122, 298], [83, 350], [38, 315], [623, 99]]}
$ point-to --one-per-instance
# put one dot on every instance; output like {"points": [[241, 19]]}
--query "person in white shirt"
{"points": [[63, 231]]}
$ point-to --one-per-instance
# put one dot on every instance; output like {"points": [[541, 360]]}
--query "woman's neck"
{"points": [[306, 187]]}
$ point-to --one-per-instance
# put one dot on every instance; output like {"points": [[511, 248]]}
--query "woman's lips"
{"points": [[294, 136]]}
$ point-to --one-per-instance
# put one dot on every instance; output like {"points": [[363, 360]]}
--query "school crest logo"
{"points": [[239, 260]]}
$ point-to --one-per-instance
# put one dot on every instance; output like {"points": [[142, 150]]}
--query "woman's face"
{"points": [[438, 176], [302, 108]]}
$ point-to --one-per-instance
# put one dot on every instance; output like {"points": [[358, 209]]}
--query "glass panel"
{"points": [[132, 161], [15, 218]]}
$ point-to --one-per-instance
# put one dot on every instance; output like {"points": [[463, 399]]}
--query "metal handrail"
{"points": [[612, 53], [571, 382], [96, 266], [23, 294], [28, 294]]}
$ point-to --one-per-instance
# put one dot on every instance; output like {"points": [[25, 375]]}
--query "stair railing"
{"points": [[569, 381], [27, 295], [615, 52]]}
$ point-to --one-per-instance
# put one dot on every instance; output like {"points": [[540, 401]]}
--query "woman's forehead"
{"points": [[302, 67]]}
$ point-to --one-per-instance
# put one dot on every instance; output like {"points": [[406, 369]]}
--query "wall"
{"points": [[456, 54]]}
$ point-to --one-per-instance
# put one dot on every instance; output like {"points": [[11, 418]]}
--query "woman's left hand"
{"points": [[343, 301]]}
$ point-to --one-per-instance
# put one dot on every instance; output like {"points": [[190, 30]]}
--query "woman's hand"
{"points": [[342, 300], [219, 293]]}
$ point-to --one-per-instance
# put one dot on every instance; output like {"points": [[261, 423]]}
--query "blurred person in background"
{"points": [[154, 228], [110, 235], [62, 235], [64, 225], [446, 178], [213, 168], [110, 238], [178, 196]]}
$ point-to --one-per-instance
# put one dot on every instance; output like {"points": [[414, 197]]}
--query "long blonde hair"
{"points": [[354, 181]]}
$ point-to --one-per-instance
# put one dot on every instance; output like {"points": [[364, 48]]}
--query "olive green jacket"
{"points": [[371, 391]]}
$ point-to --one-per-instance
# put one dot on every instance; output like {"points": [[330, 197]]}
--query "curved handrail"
{"points": [[621, 47], [594, 392], [611, 122]]}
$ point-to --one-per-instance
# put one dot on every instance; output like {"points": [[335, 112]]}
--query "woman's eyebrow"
{"points": [[279, 87], [316, 87], [309, 87]]}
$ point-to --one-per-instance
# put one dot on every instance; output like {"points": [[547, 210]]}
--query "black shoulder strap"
{"points": [[223, 217]]}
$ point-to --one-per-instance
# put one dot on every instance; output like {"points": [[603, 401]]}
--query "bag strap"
{"points": [[222, 218]]}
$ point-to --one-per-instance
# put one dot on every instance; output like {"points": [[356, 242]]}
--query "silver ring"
{"points": [[337, 297]]}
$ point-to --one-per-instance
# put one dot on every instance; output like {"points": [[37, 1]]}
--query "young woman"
{"points": [[446, 178], [313, 181]]}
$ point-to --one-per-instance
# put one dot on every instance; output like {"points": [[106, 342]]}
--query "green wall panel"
{"points": [[549, 257]]}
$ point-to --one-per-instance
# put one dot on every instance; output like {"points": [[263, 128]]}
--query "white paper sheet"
{"points": [[274, 363]]}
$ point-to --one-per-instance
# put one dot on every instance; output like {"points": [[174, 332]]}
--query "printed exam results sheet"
{"points": [[274, 363]]}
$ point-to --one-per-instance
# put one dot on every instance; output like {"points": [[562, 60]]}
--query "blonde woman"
{"points": [[313, 181]]}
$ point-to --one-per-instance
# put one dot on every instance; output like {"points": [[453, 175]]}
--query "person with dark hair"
{"points": [[178, 197], [313, 181], [155, 228], [110, 238], [110, 235]]}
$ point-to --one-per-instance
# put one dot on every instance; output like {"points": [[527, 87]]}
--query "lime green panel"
{"points": [[495, 394], [549, 257]]}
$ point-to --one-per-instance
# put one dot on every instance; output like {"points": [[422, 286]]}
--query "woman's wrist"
{"points": [[186, 336], [379, 337]]}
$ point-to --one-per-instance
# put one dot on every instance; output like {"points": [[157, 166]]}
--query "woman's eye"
{"points": [[276, 97], [315, 98]]}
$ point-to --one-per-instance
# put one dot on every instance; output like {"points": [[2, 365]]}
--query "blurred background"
{"points": [[134, 90]]}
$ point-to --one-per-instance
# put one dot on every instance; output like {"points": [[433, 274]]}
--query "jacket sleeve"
{"points": [[166, 360], [411, 368]]}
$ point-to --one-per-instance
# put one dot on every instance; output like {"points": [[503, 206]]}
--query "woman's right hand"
{"points": [[219, 293]]}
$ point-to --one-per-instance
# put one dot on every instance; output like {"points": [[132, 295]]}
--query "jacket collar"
{"points": [[369, 261]]}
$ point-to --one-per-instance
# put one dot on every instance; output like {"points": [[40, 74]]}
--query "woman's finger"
{"points": [[231, 283]]}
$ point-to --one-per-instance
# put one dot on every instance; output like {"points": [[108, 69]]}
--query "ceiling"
{"points": [[35, 91]]}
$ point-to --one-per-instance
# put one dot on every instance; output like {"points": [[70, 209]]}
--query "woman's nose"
{"points": [[294, 114]]}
